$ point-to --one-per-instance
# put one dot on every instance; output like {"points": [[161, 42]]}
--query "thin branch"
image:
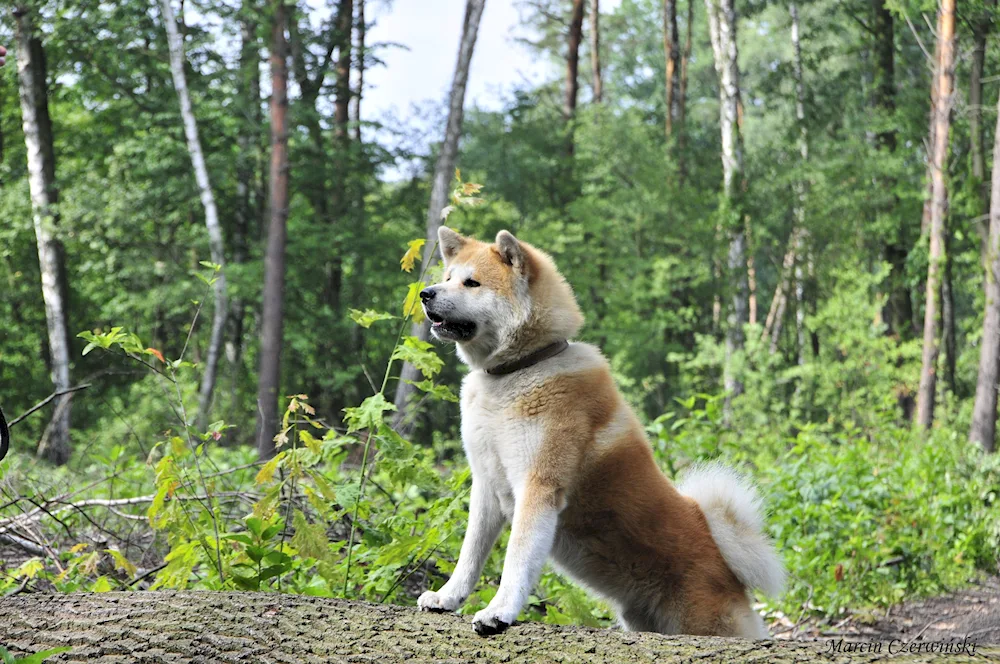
{"points": [[46, 401]]}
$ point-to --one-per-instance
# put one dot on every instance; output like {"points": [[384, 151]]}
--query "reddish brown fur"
{"points": [[626, 518]]}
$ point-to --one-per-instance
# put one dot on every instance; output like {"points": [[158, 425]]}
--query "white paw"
{"points": [[435, 601], [493, 621]]}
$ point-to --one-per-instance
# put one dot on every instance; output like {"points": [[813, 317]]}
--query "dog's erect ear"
{"points": [[450, 242], [510, 250]]}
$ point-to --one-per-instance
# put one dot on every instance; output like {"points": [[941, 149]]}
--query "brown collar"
{"points": [[529, 360]]}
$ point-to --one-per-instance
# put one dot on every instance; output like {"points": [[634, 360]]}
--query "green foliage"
{"points": [[36, 658]]}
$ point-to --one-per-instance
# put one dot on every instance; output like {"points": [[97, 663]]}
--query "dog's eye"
{"points": [[470, 283]]}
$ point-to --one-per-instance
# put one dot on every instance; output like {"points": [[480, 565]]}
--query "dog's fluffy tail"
{"points": [[736, 518]]}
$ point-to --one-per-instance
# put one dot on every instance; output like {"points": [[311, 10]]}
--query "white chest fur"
{"points": [[502, 445]]}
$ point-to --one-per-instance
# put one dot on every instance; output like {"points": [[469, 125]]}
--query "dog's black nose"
{"points": [[427, 294]]}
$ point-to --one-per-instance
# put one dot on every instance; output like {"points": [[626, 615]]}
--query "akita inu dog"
{"points": [[555, 450]]}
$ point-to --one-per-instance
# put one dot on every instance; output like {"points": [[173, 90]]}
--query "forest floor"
{"points": [[972, 612]]}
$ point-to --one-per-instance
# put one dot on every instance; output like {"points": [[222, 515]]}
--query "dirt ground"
{"points": [[973, 612]]}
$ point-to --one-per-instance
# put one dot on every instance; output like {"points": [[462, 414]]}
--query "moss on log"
{"points": [[262, 627]]}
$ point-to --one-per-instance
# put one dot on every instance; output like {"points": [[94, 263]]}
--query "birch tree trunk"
{"points": [[443, 171], [37, 125], [215, 243], [984, 409], [722, 29], [671, 53], [595, 49], [572, 86], [274, 258], [943, 85]]}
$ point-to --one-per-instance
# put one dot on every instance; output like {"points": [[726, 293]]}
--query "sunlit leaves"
{"points": [[412, 254], [411, 305]]}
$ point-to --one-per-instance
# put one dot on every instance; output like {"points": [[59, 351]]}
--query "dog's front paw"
{"points": [[436, 601], [489, 621]]}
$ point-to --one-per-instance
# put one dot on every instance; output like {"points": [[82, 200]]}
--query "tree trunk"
{"points": [[247, 193], [443, 171], [672, 54], [215, 244], [898, 310], [984, 410], [101, 628], [682, 94], [722, 29], [595, 49], [572, 67], [37, 127], [342, 167], [943, 83], [362, 28], [274, 258], [980, 29]]}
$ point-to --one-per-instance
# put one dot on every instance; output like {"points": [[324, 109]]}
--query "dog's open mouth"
{"points": [[454, 330]]}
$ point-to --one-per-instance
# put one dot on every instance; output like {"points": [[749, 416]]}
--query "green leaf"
{"points": [[420, 354], [368, 415], [442, 392], [368, 316]]}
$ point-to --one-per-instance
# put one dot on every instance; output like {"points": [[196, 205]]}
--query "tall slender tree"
{"points": [[671, 53], [443, 170], [248, 193], [272, 317], [37, 126], [361, 55], [572, 86], [980, 29], [595, 49], [682, 93], [898, 310], [215, 243], [943, 83], [984, 409], [722, 30]]}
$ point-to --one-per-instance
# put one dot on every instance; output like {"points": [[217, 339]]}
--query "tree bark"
{"points": [[215, 243], [671, 53], [682, 94], [274, 258], [572, 67], [247, 192], [980, 29], [722, 29], [443, 172], [984, 409], [185, 627], [362, 28], [595, 49], [898, 310], [943, 84], [37, 126]]}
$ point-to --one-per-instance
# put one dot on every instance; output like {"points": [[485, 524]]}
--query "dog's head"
{"points": [[498, 301]]}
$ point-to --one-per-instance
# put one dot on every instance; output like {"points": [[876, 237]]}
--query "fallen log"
{"points": [[266, 627]]}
